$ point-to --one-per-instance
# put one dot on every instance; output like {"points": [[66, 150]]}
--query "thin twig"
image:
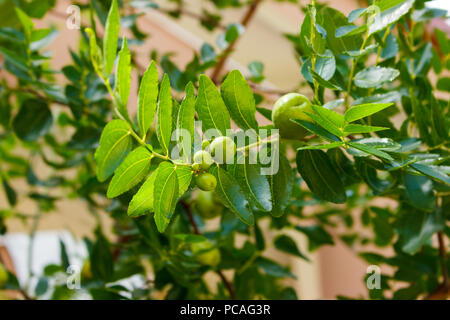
{"points": [[244, 22]]}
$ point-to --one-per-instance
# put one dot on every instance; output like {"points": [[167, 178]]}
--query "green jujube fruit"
{"points": [[291, 106]]}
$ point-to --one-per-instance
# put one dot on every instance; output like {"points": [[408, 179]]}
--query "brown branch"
{"points": [[442, 292], [443, 258], [7, 261], [244, 22], [194, 226]]}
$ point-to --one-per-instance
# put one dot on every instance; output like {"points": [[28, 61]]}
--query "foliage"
{"points": [[378, 128]]}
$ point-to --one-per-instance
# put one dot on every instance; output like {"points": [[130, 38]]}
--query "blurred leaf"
{"points": [[316, 169], [33, 120], [317, 236], [286, 244], [123, 78]]}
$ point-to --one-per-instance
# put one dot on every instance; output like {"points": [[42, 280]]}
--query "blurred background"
{"points": [[333, 270]]}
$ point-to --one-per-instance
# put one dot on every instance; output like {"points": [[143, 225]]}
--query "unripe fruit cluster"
{"points": [[223, 149], [288, 107]]}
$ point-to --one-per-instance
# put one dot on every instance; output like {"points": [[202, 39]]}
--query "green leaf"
{"points": [[281, 183], [26, 22], [254, 185], [389, 14], [110, 38], [231, 195], [364, 110], [33, 120], [324, 123], [323, 82], [382, 226], [115, 143], [440, 127], [390, 47], [130, 172], [370, 177], [164, 123], [444, 42], [416, 227], [349, 30], [166, 193], [186, 119], [147, 98], [286, 244], [184, 175], [102, 262], [419, 192], [358, 128], [443, 84], [433, 172], [11, 194], [94, 52], [142, 201], [329, 115], [370, 150], [317, 236], [210, 107], [375, 76], [239, 99], [272, 268], [313, 128], [322, 146], [332, 19], [123, 78], [316, 169]]}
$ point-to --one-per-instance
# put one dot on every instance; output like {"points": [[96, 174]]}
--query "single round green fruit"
{"points": [[3, 276], [206, 181], [204, 159], [291, 106], [223, 149], [207, 205], [205, 253]]}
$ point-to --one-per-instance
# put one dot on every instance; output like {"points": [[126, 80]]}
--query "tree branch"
{"points": [[194, 226], [442, 292], [244, 22]]}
